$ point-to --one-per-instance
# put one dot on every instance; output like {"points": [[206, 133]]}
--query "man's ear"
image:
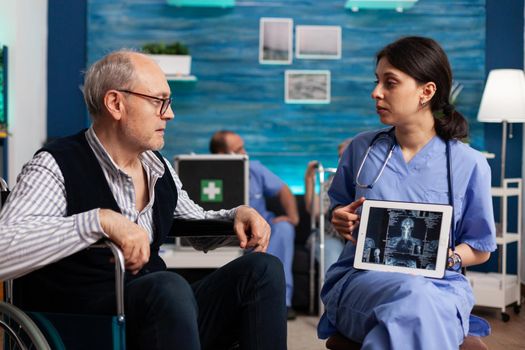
{"points": [[428, 90], [114, 102]]}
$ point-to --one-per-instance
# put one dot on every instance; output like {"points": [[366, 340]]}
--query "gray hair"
{"points": [[113, 71]]}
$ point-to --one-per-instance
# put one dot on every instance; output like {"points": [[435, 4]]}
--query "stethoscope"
{"points": [[390, 135]]}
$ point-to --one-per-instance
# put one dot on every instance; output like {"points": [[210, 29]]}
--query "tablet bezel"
{"points": [[443, 245]]}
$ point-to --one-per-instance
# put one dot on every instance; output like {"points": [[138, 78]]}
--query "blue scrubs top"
{"points": [[263, 184], [423, 179]]}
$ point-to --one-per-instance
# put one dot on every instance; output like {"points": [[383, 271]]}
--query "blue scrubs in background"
{"points": [[265, 184], [386, 310]]}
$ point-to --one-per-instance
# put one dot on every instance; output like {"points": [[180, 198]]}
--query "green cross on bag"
{"points": [[211, 190]]}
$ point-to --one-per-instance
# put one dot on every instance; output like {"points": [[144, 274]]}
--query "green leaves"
{"points": [[175, 48]]}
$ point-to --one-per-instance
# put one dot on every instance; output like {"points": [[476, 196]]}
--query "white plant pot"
{"points": [[173, 65]]}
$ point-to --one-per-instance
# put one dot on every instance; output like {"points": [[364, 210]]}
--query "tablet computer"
{"points": [[404, 237]]}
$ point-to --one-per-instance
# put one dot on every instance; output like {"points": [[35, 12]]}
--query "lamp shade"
{"points": [[504, 97]]}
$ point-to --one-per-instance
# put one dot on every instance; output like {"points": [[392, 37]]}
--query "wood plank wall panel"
{"points": [[234, 91]]}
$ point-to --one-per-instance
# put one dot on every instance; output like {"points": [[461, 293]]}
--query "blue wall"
{"points": [[66, 60], [67, 23], [236, 92], [503, 49]]}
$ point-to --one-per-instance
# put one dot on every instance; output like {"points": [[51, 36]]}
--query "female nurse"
{"points": [[408, 162]]}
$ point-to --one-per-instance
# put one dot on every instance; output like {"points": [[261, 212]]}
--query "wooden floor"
{"points": [[505, 335]]}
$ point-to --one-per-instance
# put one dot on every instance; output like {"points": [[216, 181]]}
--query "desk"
{"points": [[181, 257]]}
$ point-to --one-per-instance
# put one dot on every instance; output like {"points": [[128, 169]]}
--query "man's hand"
{"points": [[251, 229], [294, 221], [345, 220], [310, 170], [130, 237]]}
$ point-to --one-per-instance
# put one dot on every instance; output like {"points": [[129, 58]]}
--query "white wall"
{"points": [[23, 28]]}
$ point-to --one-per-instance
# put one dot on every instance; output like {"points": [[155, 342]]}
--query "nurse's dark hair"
{"points": [[425, 61]]}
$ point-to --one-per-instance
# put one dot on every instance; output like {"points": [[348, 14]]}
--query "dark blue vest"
{"points": [[71, 283]]}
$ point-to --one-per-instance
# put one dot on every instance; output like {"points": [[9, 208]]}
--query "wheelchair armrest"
{"points": [[201, 228], [120, 271]]}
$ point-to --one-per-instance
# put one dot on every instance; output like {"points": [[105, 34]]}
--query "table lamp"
{"points": [[503, 102]]}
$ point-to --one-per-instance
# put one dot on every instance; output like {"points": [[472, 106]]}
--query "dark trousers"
{"points": [[244, 302]]}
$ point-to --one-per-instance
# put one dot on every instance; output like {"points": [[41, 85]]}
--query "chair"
{"points": [[33, 330]]}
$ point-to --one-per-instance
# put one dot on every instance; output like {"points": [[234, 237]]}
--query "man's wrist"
{"points": [[294, 220]]}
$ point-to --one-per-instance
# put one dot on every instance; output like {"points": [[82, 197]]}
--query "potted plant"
{"points": [[174, 59]]}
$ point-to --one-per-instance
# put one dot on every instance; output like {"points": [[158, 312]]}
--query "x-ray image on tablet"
{"points": [[404, 237]]}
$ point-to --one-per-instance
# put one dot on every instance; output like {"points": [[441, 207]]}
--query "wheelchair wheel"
{"points": [[18, 331]]}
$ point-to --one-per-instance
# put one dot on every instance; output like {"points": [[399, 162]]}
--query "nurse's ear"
{"points": [[427, 92]]}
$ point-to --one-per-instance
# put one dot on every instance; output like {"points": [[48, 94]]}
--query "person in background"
{"points": [[110, 182], [263, 185], [333, 242], [409, 162]]}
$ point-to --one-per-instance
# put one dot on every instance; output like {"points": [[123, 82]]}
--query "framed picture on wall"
{"points": [[318, 42], [275, 40], [307, 86]]}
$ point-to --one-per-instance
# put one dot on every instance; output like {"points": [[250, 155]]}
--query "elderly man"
{"points": [[265, 184], [110, 181]]}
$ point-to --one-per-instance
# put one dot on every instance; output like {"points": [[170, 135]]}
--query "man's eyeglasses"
{"points": [[166, 102]]}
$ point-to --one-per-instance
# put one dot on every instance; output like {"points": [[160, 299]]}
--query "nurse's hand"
{"points": [[345, 220]]}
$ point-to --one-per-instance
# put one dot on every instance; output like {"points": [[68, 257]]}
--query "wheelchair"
{"points": [[17, 329], [35, 330]]}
